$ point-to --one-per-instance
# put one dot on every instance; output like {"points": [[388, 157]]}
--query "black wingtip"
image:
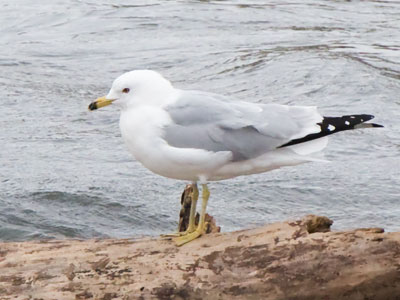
{"points": [[364, 118], [356, 119], [330, 125]]}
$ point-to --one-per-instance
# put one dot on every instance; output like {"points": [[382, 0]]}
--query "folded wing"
{"points": [[214, 123]]}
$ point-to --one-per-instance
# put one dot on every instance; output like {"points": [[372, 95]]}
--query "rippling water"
{"points": [[65, 172]]}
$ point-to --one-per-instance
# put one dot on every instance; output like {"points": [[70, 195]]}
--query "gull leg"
{"points": [[192, 215], [201, 228], [205, 196]]}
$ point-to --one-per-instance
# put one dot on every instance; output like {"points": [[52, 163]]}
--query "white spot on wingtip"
{"points": [[347, 123], [331, 127]]}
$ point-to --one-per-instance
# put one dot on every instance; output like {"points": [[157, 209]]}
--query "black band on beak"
{"points": [[92, 106]]}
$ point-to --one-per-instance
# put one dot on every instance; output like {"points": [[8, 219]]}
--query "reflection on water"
{"points": [[66, 173]]}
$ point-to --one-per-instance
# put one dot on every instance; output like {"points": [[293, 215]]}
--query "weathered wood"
{"points": [[277, 261]]}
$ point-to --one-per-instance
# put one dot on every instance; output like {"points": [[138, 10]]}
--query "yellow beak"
{"points": [[100, 102]]}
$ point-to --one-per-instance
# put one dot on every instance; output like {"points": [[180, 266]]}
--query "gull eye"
{"points": [[126, 90]]}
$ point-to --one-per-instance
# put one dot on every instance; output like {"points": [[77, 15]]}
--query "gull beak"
{"points": [[100, 102]]}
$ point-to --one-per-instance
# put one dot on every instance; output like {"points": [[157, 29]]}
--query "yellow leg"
{"points": [[192, 216], [202, 224]]}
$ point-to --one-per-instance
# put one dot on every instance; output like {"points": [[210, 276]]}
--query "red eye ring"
{"points": [[126, 90]]}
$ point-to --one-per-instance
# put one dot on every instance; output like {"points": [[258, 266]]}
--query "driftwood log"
{"points": [[276, 261]]}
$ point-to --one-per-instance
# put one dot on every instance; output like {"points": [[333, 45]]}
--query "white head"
{"points": [[139, 87]]}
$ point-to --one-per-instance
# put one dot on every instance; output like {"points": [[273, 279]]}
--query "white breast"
{"points": [[141, 129]]}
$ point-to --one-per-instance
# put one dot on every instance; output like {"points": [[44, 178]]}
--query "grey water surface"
{"points": [[65, 172]]}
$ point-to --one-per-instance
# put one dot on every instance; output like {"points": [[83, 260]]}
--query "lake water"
{"points": [[65, 172]]}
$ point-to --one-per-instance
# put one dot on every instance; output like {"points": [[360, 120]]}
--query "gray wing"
{"points": [[214, 123]]}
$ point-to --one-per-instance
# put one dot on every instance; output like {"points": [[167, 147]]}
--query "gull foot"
{"points": [[172, 234], [181, 240], [190, 236], [178, 233]]}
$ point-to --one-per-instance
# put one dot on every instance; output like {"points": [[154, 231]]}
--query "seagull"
{"points": [[201, 137]]}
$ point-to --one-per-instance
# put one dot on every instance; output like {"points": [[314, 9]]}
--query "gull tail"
{"points": [[331, 125]]}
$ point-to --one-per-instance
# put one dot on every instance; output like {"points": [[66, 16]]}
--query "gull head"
{"points": [[139, 87]]}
